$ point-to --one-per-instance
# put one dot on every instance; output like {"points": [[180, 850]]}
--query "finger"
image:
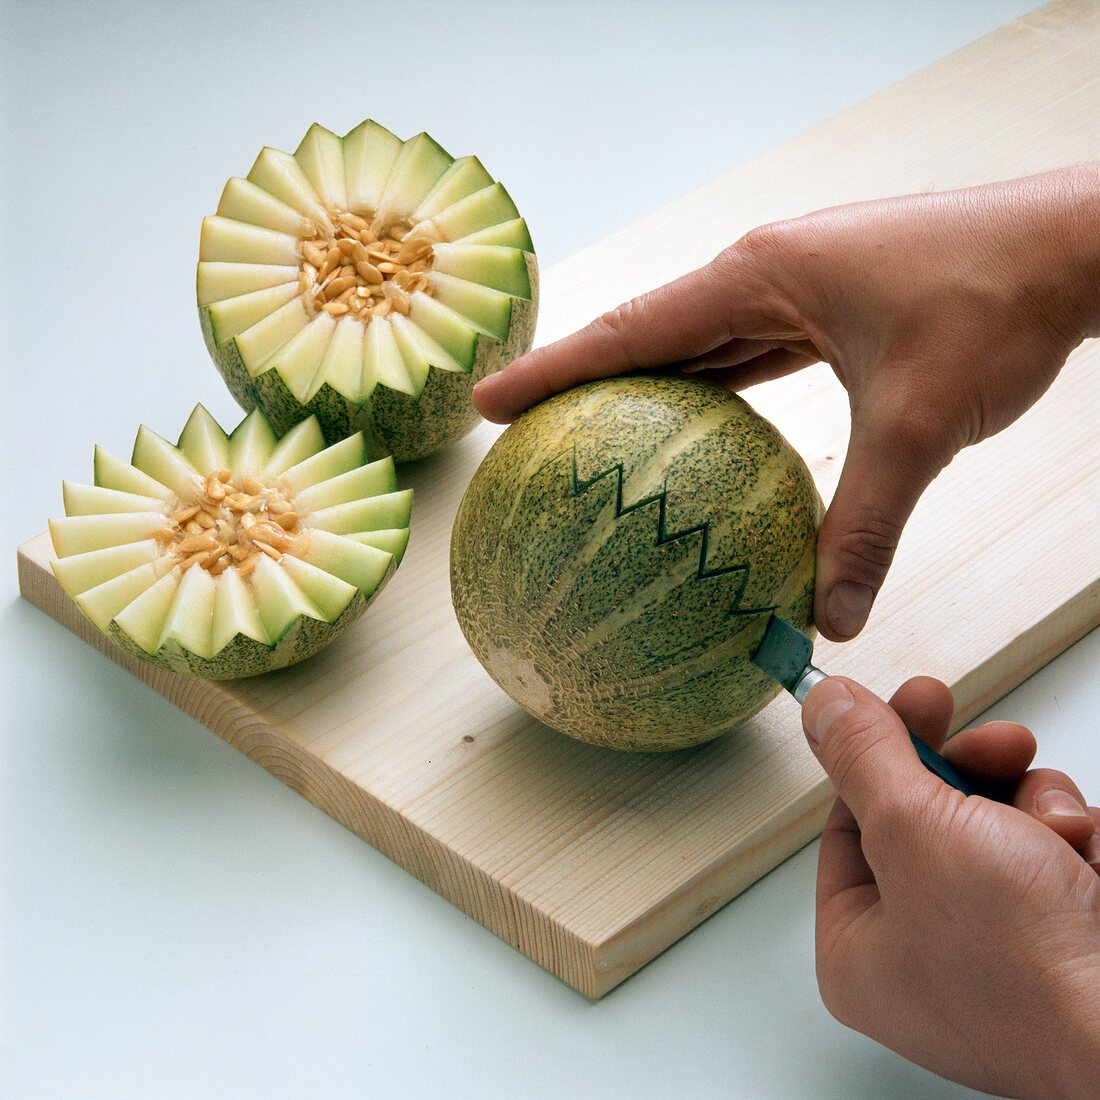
{"points": [[1054, 799], [926, 707], [864, 747], [998, 751], [1090, 853], [880, 483], [844, 878], [683, 320], [768, 363]]}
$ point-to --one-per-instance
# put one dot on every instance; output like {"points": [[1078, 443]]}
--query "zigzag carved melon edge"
{"points": [[665, 536]]}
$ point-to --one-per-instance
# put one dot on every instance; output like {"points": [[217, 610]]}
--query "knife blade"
{"points": [[785, 654]]}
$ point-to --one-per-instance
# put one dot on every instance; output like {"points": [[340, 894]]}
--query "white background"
{"points": [[175, 922]]}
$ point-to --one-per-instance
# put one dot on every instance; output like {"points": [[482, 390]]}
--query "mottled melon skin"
{"points": [[243, 656], [616, 557], [392, 422]]}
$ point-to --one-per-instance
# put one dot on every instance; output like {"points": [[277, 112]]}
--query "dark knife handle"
{"points": [[942, 767]]}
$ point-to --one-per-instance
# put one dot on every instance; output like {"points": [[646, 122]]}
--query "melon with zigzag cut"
{"points": [[368, 281], [617, 555]]}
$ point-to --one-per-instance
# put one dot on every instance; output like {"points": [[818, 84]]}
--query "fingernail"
{"points": [[1059, 803], [824, 705], [848, 606]]}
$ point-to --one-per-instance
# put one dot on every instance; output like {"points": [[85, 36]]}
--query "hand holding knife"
{"points": [[785, 655]]}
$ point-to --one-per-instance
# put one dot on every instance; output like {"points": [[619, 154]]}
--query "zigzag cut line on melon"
{"points": [[664, 535]]}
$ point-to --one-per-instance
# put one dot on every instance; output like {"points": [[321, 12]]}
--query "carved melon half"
{"points": [[368, 281], [229, 555]]}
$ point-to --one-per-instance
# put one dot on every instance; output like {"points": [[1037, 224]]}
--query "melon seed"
{"points": [[231, 523], [347, 263]]}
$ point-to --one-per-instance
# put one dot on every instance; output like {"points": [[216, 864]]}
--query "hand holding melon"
{"points": [[945, 315]]}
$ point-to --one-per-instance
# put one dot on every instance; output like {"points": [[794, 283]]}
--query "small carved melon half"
{"points": [[229, 555]]}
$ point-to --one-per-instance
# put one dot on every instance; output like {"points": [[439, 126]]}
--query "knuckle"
{"points": [[852, 739], [760, 269], [919, 431], [755, 264], [623, 330], [766, 241], [866, 545]]}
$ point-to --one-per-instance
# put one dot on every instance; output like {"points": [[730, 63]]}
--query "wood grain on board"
{"points": [[589, 861]]}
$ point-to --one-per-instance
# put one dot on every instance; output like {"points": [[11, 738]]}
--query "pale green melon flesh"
{"points": [[407, 392], [330, 462], [418, 166], [114, 473], [155, 456], [475, 213], [379, 512], [245, 201], [617, 555], [111, 595], [221, 279], [358, 564], [364, 481], [121, 557], [251, 444], [492, 265], [231, 317], [204, 443], [88, 500], [302, 442], [280, 174], [228, 240], [83, 571], [393, 541], [322, 160], [369, 154], [511, 234], [465, 176], [80, 534]]}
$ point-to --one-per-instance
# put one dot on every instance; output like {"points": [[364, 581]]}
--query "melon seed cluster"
{"points": [[364, 269], [230, 525]]}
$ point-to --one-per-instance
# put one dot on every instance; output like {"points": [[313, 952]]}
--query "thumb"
{"points": [[695, 314], [883, 477], [863, 746]]}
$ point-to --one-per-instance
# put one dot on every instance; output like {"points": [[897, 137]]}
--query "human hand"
{"points": [[944, 315], [963, 933]]}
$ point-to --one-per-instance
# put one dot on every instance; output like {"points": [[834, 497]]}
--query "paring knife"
{"points": [[785, 655]]}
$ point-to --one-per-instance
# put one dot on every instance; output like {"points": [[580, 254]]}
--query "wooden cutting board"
{"points": [[590, 861]]}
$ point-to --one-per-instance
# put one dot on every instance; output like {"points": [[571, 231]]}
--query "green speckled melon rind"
{"points": [[392, 422], [628, 620], [244, 656]]}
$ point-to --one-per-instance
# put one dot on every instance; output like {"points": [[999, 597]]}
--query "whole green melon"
{"points": [[616, 557]]}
